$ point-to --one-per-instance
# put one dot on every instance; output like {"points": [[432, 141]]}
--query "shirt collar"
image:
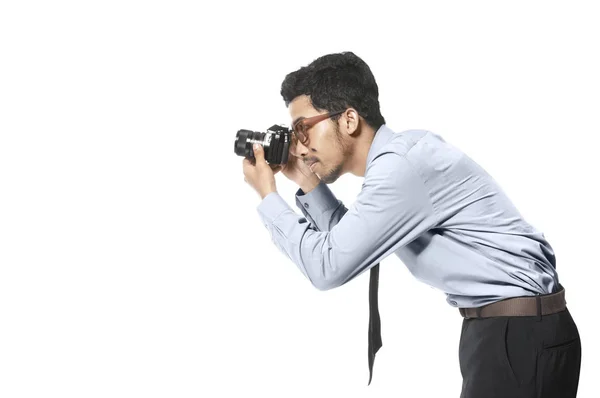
{"points": [[382, 137]]}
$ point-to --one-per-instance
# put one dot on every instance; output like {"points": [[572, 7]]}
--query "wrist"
{"points": [[264, 193], [310, 184]]}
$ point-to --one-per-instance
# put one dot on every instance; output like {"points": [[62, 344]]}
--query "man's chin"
{"points": [[327, 179]]}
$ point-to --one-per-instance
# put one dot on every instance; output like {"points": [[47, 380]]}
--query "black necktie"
{"points": [[374, 320]]}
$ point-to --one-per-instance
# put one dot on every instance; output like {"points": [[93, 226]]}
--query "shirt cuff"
{"points": [[272, 206], [316, 202]]}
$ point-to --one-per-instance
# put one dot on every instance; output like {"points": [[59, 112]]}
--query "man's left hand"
{"points": [[260, 175]]}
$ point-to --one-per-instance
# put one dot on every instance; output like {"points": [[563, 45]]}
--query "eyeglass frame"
{"points": [[309, 122]]}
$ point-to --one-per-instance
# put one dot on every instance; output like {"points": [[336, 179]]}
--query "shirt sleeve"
{"points": [[392, 209], [320, 207]]}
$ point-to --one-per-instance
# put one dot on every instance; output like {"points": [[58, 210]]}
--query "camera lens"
{"points": [[244, 141]]}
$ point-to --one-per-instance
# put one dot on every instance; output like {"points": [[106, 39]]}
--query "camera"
{"points": [[275, 141]]}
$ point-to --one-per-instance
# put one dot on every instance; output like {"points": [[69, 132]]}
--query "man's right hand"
{"points": [[296, 170]]}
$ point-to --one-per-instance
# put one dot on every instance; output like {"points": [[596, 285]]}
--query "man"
{"points": [[442, 214]]}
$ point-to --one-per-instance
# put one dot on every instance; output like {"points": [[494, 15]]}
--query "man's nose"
{"points": [[298, 149]]}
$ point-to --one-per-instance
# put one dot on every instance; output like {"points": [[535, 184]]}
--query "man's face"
{"points": [[326, 144]]}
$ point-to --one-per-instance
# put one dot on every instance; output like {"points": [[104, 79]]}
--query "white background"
{"points": [[133, 262]]}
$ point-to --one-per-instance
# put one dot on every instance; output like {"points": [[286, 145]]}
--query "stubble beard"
{"points": [[332, 175]]}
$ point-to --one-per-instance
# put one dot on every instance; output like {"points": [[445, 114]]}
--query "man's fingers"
{"points": [[276, 168], [248, 162], [259, 152]]}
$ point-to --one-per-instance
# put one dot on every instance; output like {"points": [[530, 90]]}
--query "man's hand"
{"points": [[296, 170], [260, 175]]}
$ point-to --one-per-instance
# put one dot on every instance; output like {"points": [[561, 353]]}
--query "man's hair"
{"points": [[335, 82]]}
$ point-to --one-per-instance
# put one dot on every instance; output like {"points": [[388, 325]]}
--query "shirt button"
{"points": [[306, 205]]}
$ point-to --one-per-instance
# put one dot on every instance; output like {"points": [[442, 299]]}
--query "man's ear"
{"points": [[351, 121]]}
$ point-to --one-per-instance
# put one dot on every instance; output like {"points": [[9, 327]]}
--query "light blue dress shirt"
{"points": [[431, 205]]}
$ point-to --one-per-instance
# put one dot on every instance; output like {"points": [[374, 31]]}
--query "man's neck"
{"points": [[357, 162]]}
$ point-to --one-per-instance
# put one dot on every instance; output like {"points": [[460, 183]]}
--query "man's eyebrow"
{"points": [[298, 119]]}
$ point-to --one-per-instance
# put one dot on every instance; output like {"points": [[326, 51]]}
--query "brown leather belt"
{"points": [[520, 306]]}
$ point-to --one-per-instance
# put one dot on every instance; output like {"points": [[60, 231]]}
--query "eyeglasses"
{"points": [[301, 127]]}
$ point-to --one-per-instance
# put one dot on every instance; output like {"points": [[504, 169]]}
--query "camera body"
{"points": [[275, 141]]}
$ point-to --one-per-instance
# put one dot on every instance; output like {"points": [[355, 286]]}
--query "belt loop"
{"points": [[478, 312], [538, 301]]}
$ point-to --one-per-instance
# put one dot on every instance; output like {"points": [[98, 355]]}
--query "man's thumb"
{"points": [[258, 152]]}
